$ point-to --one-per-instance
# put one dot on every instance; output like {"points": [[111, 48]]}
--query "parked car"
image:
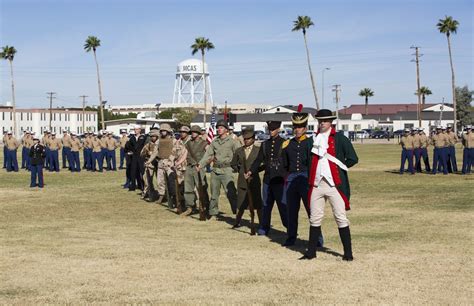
{"points": [[398, 133], [260, 135], [379, 134], [362, 134], [286, 133]]}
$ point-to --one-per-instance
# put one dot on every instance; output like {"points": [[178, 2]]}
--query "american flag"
{"points": [[210, 131]]}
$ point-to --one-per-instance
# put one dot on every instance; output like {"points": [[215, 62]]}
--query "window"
{"points": [[345, 127], [408, 125], [21, 118], [357, 127], [3, 115]]}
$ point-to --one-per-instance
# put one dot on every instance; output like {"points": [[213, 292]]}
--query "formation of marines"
{"points": [[97, 149], [415, 145]]}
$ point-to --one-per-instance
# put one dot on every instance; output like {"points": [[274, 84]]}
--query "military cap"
{"points": [[439, 127], [196, 129], [231, 128], [223, 123], [407, 130], [468, 127], [299, 119], [53, 134], [9, 133], [154, 133], [166, 127], [35, 138], [27, 132], [203, 129], [137, 126], [450, 127], [122, 131], [64, 131], [443, 128], [185, 129], [324, 114], [248, 133], [273, 125], [132, 132]]}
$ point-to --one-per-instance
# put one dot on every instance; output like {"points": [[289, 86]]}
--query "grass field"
{"points": [[84, 239]]}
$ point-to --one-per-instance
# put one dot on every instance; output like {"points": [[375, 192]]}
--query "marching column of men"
{"points": [[292, 175]]}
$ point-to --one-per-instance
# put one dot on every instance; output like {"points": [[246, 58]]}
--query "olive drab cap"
{"points": [[223, 123]]}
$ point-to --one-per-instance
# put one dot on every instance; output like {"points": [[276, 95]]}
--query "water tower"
{"points": [[189, 84]]}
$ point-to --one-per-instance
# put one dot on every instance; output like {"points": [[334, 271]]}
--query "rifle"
{"points": [[179, 209], [250, 200], [200, 190]]}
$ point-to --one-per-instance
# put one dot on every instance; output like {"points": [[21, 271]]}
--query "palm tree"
{"points": [[8, 53], [447, 26], [424, 91], [203, 44], [303, 23], [366, 92], [92, 43]]}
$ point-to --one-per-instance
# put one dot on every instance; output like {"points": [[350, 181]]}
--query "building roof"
{"points": [[249, 117], [294, 108], [385, 109], [46, 110], [400, 116]]}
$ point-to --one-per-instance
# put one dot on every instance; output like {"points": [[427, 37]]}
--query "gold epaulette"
{"points": [[285, 143]]}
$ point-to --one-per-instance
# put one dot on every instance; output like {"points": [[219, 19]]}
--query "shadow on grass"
{"points": [[279, 237]]}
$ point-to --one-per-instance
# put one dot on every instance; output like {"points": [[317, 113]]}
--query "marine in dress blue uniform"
{"points": [[37, 155]]}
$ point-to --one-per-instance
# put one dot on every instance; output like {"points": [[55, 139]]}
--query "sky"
{"points": [[257, 58]]}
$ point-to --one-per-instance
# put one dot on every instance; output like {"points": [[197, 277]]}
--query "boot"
{"points": [[314, 233], [345, 235], [160, 199], [238, 218]]}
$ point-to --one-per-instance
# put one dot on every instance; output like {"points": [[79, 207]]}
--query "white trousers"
{"points": [[318, 199]]}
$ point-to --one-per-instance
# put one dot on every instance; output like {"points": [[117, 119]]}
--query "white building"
{"points": [[115, 126], [38, 120]]}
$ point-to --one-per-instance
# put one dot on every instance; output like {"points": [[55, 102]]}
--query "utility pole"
{"points": [[322, 86], [337, 90], [83, 111], [51, 97], [441, 112], [418, 93]]}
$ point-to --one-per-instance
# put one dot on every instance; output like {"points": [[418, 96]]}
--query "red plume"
{"points": [[300, 108]]}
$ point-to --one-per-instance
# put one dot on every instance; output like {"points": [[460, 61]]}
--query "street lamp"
{"points": [[322, 85]]}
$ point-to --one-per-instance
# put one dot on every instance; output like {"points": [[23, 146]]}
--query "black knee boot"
{"points": [[314, 234], [345, 234]]}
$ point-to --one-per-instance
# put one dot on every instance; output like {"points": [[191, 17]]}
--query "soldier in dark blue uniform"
{"points": [[37, 155], [269, 159], [296, 157]]}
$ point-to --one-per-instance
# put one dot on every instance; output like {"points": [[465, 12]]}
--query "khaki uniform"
{"points": [[66, 141], [75, 145], [54, 144], [424, 141], [439, 140], [247, 155], [221, 151], [111, 143], [468, 140], [45, 140], [96, 145], [103, 142], [452, 138], [416, 141], [11, 143], [123, 141], [196, 149], [148, 150], [407, 142]]}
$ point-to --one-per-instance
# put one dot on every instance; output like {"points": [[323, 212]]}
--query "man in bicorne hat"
{"points": [[331, 156]]}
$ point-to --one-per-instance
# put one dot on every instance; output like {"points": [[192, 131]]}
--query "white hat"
{"points": [[439, 127], [132, 132], [137, 126], [407, 130]]}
